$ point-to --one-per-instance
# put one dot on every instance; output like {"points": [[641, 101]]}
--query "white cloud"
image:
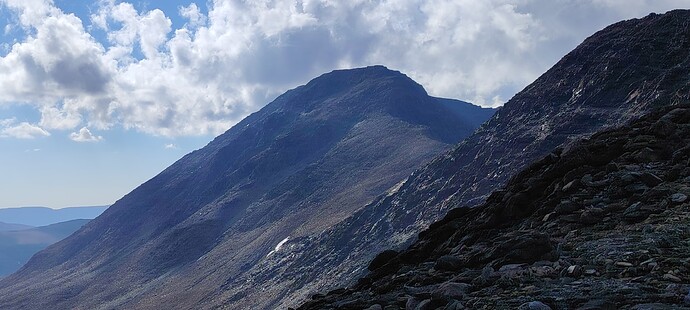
{"points": [[23, 130], [7, 122], [170, 146], [220, 66], [84, 135], [193, 14], [55, 118]]}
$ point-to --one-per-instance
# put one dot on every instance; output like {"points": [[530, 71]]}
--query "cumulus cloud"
{"points": [[221, 65], [84, 135], [53, 117], [193, 14], [10, 129]]}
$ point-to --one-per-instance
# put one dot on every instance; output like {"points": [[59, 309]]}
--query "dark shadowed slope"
{"points": [[602, 225], [614, 76], [305, 161], [18, 245]]}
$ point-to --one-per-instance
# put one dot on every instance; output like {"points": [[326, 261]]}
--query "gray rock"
{"points": [[671, 277], [636, 188], [645, 155], [597, 304], [566, 207], [451, 290], [534, 305], [424, 305], [629, 177], [574, 271], [375, 307], [571, 185], [635, 213], [654, 306], [420, 292], [686, 300], [454, 305], [624, 264], [448, 263], [487, 272], [679, 198], [612, 167], [411, 303], [591, 216], [587, 180], [650, 179], [509, 267]]}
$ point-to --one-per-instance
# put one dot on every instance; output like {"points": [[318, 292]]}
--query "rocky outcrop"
{"points": [[601, 225], [618, 74], [302, 163]]}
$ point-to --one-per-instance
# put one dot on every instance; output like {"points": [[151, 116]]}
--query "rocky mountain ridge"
{"points": [[302, 163], [618, 74], [600, 225], [281, 205]]}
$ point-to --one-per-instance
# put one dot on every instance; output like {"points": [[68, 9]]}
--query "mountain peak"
{"points": [[356, 75], [302, 163], [616, 75], [371, 77], [372, 71]]}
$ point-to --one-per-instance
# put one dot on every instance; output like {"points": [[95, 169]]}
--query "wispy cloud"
{"points": [[170, 146], [220, 66], [10, 129], [84, 135]]}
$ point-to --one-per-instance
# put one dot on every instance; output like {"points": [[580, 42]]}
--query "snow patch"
{"points": [[278, 246], [396, 187]]}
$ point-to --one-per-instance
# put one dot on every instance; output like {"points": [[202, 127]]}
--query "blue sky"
{"points": [[57, 172], [97, 97]]}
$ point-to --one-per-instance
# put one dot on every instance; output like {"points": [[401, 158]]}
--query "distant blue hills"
{"points": [[42, 216], [21, 242], [27, 230]]}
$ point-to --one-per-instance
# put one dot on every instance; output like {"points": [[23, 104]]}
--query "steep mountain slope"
{"points": [[302, 163], [42, 216], [17, 246], [614, 76], [602, 225]]}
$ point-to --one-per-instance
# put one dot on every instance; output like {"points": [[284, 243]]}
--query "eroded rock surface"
{"points": [[583, 228]]}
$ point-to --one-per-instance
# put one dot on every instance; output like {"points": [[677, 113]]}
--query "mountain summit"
{"points": [[304, 162], [617, 75]]}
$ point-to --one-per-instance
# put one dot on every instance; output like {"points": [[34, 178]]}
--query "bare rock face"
{"points": [[304, 162], [519, 250], [618, 74]]}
